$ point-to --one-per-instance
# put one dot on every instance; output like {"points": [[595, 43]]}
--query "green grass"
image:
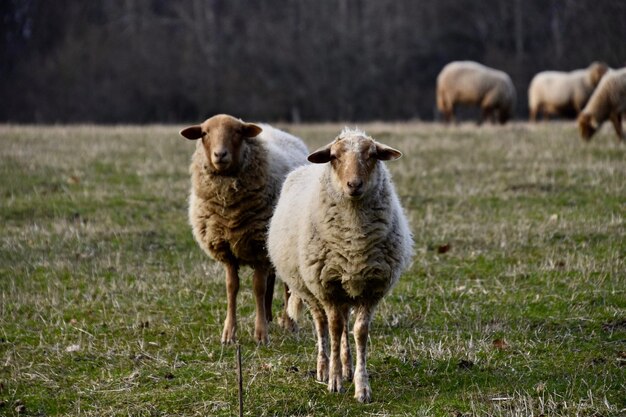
{"points": [[108, 307]]}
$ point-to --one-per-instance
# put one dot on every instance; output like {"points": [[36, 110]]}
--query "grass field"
{"points": [[515, 304]]}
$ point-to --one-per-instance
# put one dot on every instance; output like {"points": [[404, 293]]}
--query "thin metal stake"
{"points": [[240, 378]]}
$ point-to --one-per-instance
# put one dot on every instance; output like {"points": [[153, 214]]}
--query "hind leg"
{"points": [[269, 295], [321, 329], [346, 355], [284, 320], [259, 286]]}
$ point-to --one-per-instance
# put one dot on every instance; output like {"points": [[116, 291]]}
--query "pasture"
{"points": [[515, 304]]}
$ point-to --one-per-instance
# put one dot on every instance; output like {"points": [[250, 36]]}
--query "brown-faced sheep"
{"points": [[561, 93], [471, 83], [340, 240], [608, 101], [237, 171]]}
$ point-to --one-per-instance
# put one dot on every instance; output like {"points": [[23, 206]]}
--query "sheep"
{"points": [[608, 101], [561, 93], [340, 240], [237, 170], [471, 83]]}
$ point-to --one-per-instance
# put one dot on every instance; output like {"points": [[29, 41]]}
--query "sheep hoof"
{"points": [[363, 395], [263, 340], [228, 335], [287, 323], [322, 376], [228, 341], [334, 384], [322, 368]]}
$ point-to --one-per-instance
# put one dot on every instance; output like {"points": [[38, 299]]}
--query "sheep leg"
{"points": [[500, 117], [284, 320], [336, 324], [232, 288], [321, 327], [616, 119], [362, 390], [452, 114], [485, 114], [346, 355], [259, 286], [269, 295]]}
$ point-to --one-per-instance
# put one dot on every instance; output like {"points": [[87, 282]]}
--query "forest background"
{"points": [[147, 61]]}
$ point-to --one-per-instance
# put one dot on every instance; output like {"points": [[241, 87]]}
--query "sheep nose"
{"points": [[355, 184], [219, 155]]}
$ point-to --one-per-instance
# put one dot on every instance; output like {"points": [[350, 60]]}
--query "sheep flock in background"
{"points": [[473, 84], [608, 101], [550, 93]]}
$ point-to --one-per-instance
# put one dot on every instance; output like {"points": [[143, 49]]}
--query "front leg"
{"points": [[232, 288], [336, 323], [346, 356], [362, 390], [616, 119], [485, 115], [259, 286]]}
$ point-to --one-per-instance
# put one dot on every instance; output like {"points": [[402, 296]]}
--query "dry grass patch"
{"points": [[515, 303]]}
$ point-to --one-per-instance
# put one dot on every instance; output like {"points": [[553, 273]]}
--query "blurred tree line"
{"points": [[118, 61]]}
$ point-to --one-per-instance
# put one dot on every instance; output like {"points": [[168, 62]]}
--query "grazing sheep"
{"points": [[608, 101], [561, 93], [340, 240], [236, 174], [470, 83]]}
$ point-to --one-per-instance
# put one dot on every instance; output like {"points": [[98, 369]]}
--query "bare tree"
{"points": [[156, 60]]}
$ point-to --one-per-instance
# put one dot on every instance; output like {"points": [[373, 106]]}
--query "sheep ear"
{"points": [[251, 130], [192, 132], [320, 156], [386, 153]]}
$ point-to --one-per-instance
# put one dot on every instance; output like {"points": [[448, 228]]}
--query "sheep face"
{"points": [[222, 137], [587, 125], [353, 158]]}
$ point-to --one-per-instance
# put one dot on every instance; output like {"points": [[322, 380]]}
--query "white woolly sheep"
{"points": [[561, 93], [608, 101], [471, 83], [340, 240], [236, 171]]}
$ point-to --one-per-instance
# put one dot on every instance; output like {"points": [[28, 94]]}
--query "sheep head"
{"points": [[222, 138], [587, 125], [596, 71], [353, 157]]}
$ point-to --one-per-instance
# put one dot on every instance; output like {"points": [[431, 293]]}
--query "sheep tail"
{"points": [[294, 307]]}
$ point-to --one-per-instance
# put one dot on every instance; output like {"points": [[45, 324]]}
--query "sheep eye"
{"points": [[203, 133]]}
